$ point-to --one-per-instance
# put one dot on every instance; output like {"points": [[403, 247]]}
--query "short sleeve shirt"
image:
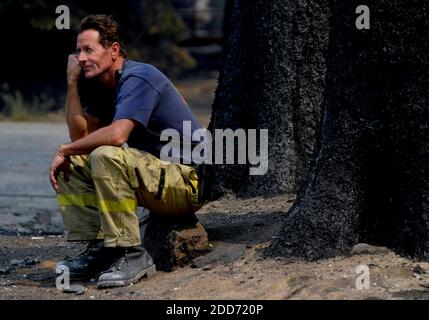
{"points": [[144, 94]]}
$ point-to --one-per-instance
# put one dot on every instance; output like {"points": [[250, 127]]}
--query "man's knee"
{"points": [[103, 153], [102, 159]]}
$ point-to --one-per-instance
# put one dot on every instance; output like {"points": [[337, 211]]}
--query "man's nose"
{"points": [[81, 57]]}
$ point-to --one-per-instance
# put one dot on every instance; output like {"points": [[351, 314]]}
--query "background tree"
{"points": [[154, 34], [36, 51], [33, 55], [370, 182], [273, 77]]}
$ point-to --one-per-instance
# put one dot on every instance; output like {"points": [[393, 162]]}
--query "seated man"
{"points": [[116, 109]]}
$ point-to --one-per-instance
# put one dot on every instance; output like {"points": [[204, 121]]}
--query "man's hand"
{"points": [[60, 162], [73, 69]]}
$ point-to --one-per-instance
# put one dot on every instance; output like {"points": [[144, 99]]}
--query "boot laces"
{"points": [[118, 264]]}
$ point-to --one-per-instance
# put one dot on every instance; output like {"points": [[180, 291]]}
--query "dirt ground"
{"points": [[239, 231]]}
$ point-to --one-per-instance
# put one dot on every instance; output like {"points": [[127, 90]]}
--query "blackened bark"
{"points": [[370, 182], [273, 78]]}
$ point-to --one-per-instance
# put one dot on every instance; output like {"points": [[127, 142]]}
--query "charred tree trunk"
{"points": [[273, 78], [370, 182]]}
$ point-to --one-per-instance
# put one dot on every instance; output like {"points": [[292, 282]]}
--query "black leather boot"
{"points": [[135, 263], [90, 263]]}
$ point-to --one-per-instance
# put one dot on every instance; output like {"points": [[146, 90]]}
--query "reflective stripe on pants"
{"points": [[105, 188]]}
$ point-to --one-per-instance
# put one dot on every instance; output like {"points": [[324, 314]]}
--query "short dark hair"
{"points": [[107, 27]]}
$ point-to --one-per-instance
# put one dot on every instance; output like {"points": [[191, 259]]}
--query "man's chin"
{"points": [[89, 74]]}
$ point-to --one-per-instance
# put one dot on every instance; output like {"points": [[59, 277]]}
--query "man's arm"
{"points": [[76, 120], [79, 124], [115, 134]]}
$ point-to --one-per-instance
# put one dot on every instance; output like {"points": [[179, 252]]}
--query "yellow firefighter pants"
{"points": [[100, 200]]}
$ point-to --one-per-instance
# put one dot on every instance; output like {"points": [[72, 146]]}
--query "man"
{"points": [[116, 109]]}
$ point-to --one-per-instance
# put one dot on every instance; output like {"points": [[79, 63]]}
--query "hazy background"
{"points": [[183, 38]]}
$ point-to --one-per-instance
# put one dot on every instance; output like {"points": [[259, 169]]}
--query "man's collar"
{"points": [[119, 72], [118, 75]]}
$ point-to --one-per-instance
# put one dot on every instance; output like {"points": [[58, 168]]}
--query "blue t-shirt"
{"points": [[145, 95]]}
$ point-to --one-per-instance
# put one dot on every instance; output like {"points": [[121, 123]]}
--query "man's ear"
{"points": [[116, 48]]}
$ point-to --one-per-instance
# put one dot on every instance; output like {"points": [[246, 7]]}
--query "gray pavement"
{"points": [[27, 201]]}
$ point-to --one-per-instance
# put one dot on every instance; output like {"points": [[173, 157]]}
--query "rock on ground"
{"points": [[174, 244]]}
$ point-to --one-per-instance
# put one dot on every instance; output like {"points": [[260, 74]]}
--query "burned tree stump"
{"points": [[370, 182], [272, 78], [174, 243]]}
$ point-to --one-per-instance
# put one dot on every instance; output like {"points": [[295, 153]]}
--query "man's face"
{"points": [[93, 57]]}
